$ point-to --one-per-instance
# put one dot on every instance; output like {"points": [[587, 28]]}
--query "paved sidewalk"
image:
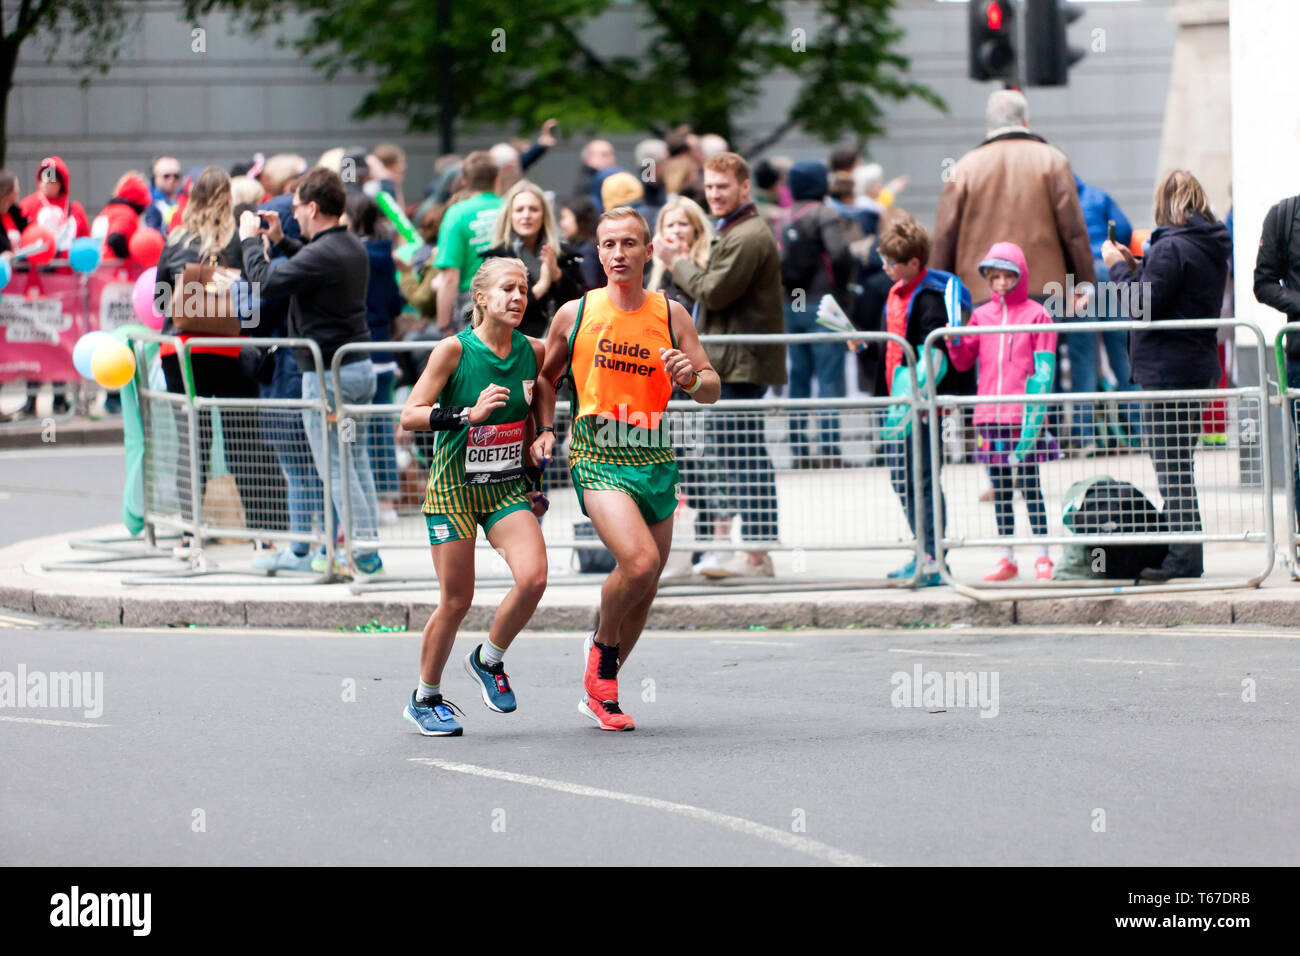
{"points": [[52, 576], [77, 430]]}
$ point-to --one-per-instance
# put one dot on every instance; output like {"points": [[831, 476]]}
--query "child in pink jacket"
{"points": [[1012, 439]]}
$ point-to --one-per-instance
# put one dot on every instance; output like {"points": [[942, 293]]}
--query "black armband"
{"points": [[452, 418], [532, 478]]}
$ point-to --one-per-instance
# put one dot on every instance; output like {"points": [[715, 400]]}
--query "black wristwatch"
{"points": [[546, 428]]}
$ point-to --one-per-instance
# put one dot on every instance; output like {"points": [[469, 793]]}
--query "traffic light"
{"points": [[1048, 54], [992, 40]]}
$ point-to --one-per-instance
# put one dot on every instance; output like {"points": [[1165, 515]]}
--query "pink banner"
{"points": [[110, 287], [42, 314]]}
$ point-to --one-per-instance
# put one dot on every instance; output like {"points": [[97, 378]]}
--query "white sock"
{"points": [[1042, 550], [490, 654], [427, 691], [1008, 554]]}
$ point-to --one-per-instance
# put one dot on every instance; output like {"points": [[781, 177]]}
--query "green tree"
{"points": [[504, 62], [92, 33]]}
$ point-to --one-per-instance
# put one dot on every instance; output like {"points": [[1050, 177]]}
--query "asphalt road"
{"points": [[785, 747], [55, 489]]}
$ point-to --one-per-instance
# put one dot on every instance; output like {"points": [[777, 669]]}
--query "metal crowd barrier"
{"points": [[830, 521], [734, 458], [259, 447], [1231, 483]]}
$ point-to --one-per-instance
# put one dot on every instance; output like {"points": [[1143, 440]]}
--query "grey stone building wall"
{"points": [[244, 94]]}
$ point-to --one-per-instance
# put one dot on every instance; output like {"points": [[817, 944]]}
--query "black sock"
{"points": [[608, 668]]}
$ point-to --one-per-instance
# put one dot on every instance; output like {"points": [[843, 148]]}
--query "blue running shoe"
{"points": [[492, 683], [930, 576], [367, 563], [434, 717], [906, 571]]}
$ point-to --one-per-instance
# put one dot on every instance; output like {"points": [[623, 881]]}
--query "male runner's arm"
{"points": [[532, 473], [548, 382], [689, 365], [416, 413]]}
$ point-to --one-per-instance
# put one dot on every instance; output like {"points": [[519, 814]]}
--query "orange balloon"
{"points": [[1139, 237], [112, 365]]}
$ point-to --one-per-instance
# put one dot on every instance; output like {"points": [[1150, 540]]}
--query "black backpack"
{"points": [[1102, 505], [802, 252]]}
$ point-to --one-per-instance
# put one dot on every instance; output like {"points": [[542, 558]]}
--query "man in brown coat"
{"points": [[1014, 187], [739, 292]]}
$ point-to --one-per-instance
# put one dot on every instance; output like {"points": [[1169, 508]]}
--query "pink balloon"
{"points": [[143, 299]]}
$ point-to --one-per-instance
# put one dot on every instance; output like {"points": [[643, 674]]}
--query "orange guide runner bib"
{"points": [[614, 357]]}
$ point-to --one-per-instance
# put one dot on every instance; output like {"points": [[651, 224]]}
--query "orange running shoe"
{"points": [[600, 680], [606, 714]]}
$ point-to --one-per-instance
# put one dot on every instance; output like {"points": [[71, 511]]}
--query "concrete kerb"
{"points": [[96, 599]]}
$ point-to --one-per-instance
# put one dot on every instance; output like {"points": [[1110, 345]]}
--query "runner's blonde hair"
{"points": [[486, 276]]}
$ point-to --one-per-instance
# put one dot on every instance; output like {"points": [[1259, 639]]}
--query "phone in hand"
{"points": [[1110, 230]]}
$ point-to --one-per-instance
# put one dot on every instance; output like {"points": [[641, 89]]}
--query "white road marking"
{"points": [[790, 841], [1101, 660], [908, 650], [50, 723], [762, 643]]}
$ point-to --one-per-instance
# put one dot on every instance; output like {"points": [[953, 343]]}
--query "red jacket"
{"points": [[62, 216], [121, 217]]}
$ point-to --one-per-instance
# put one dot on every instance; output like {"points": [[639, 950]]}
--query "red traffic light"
{"points": [[994, 14]]}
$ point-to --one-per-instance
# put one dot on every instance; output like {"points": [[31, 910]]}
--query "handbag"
{"points": [[203, 304], [222, 506]]}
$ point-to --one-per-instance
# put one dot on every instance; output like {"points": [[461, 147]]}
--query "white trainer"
{"points": [[740, 567]]}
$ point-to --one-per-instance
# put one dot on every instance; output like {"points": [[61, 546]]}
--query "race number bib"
{"points": [[494, 454]]}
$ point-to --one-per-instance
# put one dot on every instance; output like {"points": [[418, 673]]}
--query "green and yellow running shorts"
{"points": [[456, 526], [653, 487]]}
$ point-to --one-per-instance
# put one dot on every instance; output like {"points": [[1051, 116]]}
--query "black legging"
{"points": [[1006, 479]]}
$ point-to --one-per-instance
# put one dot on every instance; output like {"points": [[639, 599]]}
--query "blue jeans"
{"points": [[917, 508], [283, 430], [1082, 347], [825, 362], [358, 382], [379, 438]]}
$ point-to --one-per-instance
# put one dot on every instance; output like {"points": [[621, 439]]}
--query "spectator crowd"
{"points": [[342, 250]]}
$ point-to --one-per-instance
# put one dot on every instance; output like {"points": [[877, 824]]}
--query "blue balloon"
{"points": [[83, 254], [6, 272], [84, 351]]}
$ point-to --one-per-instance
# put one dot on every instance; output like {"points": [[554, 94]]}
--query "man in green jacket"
{"points": [[739, 293]]}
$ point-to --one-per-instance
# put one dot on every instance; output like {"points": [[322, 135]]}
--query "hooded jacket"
{"points": [[1185, 269], [121, 217], [62, 216], [1006, 360]]}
